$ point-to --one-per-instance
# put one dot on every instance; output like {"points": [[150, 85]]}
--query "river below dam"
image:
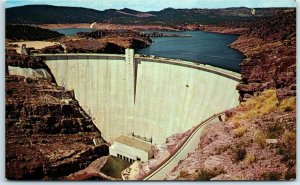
{"points": [[202, 47]]}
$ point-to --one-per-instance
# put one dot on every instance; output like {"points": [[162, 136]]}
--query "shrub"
{"points": [[183, 174], [289, 138], [220, 150], [271, 176], [288, 148], [206, 175], [239, 154], [274, 130], [288, 109], [250, 158], [288, 104], [260, 138], [258, 105], [290, 175], [239, 132]]}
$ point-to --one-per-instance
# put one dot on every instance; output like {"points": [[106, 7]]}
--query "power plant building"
{"points": [[131, 149]]}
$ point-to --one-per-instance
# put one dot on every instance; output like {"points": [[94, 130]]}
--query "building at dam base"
{"points": [[131, 149], [152, 97]]}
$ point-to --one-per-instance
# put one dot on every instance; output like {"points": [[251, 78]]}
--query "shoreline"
{"points": [[106, 26]]}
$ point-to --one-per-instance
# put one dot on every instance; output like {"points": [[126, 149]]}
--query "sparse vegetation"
{"points": [[287, 148], [250, 158], [288, 104], [274, 130], [264, 103], [271, 176], [220, 150], [289, 137], [290, 175], [183, 175], [260, 138], [259, 105], [240, 131], [239, 154], [206, 175]]}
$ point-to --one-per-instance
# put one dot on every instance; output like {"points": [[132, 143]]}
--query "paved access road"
{"points": [[188, 146]]}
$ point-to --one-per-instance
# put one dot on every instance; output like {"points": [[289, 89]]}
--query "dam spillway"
{"points": [[151, 97]]}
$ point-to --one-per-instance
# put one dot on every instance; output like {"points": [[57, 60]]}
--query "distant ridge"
{"points": [[47, 14], [135, 13]]}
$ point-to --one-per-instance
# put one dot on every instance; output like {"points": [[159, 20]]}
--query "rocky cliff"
{"points": [[270, 47], [48, 135]]}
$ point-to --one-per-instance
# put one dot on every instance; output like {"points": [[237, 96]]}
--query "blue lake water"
{"points": [[72, 31], [202, 47]]}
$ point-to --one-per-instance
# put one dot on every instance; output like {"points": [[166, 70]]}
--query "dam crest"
{"points": [[149, 96]]}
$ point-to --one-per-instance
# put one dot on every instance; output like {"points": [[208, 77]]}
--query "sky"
{"points": [[155, 5]]}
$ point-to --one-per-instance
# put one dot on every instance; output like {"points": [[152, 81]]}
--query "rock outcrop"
{"points": [[12, 58], [48, 135], [270, 47], [104, 168], [107, 41], [105, 45], [58, 48]]}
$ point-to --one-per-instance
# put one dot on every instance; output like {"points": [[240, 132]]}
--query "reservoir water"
{"points": [[202, 47], [72, 31]]}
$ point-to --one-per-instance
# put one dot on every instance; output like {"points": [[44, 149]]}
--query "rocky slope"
{"points": [[104, 45], [48, 135], [107, 41], [104, 168], [15, 59], [270, 48], [248, 146], [258, 139]]}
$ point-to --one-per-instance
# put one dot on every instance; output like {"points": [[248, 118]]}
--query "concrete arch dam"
{"points": [[152, 97]]}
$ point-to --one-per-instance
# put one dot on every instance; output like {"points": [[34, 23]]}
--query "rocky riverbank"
{"points": [[224, 30]]}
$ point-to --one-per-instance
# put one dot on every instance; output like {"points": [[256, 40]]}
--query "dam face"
{"points": [[150, 97]]}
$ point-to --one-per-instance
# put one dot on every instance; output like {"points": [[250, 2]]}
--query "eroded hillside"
{"points": [[257, 141]]}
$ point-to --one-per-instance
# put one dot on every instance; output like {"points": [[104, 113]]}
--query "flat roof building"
{"points": [[131, 149]]}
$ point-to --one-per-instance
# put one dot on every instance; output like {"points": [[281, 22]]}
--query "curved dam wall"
{"points": [[150, 97]]}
